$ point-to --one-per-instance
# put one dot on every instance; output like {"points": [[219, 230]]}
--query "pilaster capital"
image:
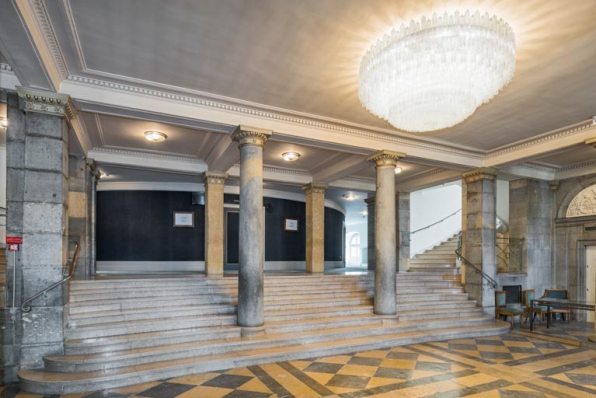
{"points": [[214, 178], [481, 173], [370, 201], [47, 102], [247, 135], [315, 188], [554, 185], [93, 171], [591, 142], [386, 158]]}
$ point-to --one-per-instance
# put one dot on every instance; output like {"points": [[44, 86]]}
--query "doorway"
{"points": [[590, 279]]}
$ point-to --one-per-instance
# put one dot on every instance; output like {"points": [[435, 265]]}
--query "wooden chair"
{"points": [[528, 296], [503, 310], [559, 294]]}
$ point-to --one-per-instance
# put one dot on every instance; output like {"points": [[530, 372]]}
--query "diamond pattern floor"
{"points": [[511, 366]]}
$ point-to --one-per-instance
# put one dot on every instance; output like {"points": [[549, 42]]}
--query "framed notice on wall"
{"points": [[184, 219], [291, 224]]}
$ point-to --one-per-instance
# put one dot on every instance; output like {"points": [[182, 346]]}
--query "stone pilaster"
{"points": [[93, 215], [370, 208], [251, 253], [481, 216], [214, 219], [315, 227], [37, 202], [464, 215], [530, 218], [385, 232], [402, 212]]}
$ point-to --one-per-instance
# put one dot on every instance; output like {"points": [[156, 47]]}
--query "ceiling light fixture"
{"points": [[398, 170], [155, 136], [435, 73], [290, 156], [103, 174], [350, 197]]}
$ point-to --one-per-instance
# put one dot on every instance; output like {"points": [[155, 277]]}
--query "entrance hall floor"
{"points": [[509, 366]]}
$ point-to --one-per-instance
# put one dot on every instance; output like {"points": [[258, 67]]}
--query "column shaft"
{"points": [[214, 220], [402, 211], [315, 227], [385, 233], [370, 208], [251, 248]]}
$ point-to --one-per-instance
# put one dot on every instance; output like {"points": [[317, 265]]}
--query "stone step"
{"points": [[439, 305], [436, 256], [429, 290], [417, 315], [115, 305], [96, 362], [432, 262], [42, 382], [424, 297], [441, 270]]}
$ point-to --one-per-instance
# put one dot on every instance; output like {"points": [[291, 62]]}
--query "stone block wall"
{"points": [[79, 213]]}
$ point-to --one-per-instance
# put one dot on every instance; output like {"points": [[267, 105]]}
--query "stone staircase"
{"points": [[127, 331], [440, 259]]}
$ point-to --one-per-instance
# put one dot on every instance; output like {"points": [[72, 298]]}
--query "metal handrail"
{"points": [[458, 252], [71, 269], [435, 223]]}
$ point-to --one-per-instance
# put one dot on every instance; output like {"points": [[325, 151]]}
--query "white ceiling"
{"points": [[304, 55]]}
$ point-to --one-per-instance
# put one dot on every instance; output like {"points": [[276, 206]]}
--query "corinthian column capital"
{"points": [[481, 173], [386, 158], [247, 135], [315, 188], [214, 178]]}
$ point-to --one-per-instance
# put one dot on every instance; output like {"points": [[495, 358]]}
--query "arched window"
{"points": [[584, 203], [355, 250]]}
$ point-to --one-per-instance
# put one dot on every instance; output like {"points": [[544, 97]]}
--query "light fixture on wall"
{"points": [[398, 170], [3, 122], [364, 213], [155, 136], [290, 156], [435, 73], [349, 196], [103, 174]]}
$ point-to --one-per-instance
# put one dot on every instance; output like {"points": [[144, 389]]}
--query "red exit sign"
{"points": [[14, 240]]}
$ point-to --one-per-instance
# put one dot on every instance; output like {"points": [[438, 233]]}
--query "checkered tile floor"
{"points": [[510, 366]]}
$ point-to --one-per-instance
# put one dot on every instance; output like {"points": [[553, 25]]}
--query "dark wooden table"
{"points": [[554, 302]]}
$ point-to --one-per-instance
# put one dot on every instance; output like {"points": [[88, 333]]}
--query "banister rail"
{"points": [[458, 252], [435, 223], [71, 269]]}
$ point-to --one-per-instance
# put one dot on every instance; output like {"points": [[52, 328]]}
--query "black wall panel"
{"points": [[137, 226]]}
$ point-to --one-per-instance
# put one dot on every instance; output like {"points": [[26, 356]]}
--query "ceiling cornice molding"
{"points": [[267, 112], [576, 170], [35, 17]]}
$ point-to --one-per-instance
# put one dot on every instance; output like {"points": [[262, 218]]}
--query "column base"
{"points": [[214, 275], [389, 319], [249, 332]]}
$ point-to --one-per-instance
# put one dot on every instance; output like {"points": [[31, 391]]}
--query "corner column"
{"points": [[214, 219], [481, 216], [385, 232], [251, 249], [315, 227]]}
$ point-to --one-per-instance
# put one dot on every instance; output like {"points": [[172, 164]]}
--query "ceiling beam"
{"points": [[427, 180], [223, 155], [528, 170], [146, 161], [349, 165]]}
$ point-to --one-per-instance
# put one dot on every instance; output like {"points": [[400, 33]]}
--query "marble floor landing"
{"points": [[510, 366]]}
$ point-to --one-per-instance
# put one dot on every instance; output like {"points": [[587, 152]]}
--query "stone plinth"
{"points": [[214, 223], [315, 227], [480, 216]]}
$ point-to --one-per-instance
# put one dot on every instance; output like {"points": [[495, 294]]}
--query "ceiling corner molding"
{"points": [[576, 170], [35, 17], [529, 170]]}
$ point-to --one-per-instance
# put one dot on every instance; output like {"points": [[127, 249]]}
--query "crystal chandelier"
{"points": [[435, 73]]}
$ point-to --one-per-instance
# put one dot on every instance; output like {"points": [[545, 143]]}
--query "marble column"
{"points": [[315, 227], [370, 208], [214, 223], [251, 249], [93, 211], [402, 212], [480, 235], [37, 202], [385, 232]]}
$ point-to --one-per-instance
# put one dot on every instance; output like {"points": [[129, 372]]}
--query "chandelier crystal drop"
{"points": [[435, 73]]}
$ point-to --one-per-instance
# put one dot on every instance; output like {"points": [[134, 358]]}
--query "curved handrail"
{"points": [[435, 223], [71, 269], [458, 252]]}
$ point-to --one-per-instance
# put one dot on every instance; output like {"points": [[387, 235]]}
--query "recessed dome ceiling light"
{"points": [[350, 196], [290, 156], [398, 170], [433, 74], [155, 136]]}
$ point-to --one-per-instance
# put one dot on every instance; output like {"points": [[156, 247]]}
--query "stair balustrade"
{"points": [[493, 283], [510, 253]]}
